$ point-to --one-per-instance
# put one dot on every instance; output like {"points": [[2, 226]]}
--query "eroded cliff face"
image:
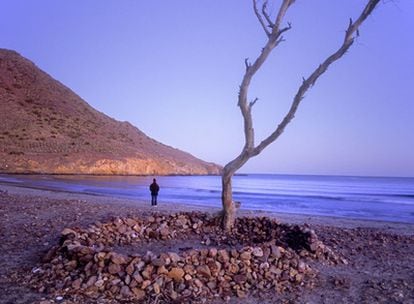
{"points": [[47, 128]]}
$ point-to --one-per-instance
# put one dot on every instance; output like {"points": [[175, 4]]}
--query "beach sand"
{"points": [[380, 254]]}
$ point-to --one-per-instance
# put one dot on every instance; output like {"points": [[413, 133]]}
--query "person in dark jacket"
{"points": [[154, 188]]}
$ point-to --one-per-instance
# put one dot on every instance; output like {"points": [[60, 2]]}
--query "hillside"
{"points": [[47, 128]]}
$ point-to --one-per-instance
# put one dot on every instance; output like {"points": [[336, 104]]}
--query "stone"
{"points": [[140, 265], [130, 222], [156, 288], [137, 277], [91, 281], [162, 270], [125, 291], [127, 279], [165, 232], [145, 284], [149, 256], [240, 293], [50, 254], [301, 266], [114, 268], [233, 268], [130, 269], [189, 269], [246, 255], [293, 272], [139, 294], [204, 271], [276, 253], [174, 257], [198, 283], [100, 256], [99, 283], [173, 295], [240, 278], [176, 274], [147, 272], [76, 284], [223, 255], [71, 265], [133, 284], [212, 285], [188, 277], [119, 258], [68, 231], [212, 252], [257, 252], [313, 246], [114, 289], [215, 267], [158, 262], [298, 278], [122, 229]]}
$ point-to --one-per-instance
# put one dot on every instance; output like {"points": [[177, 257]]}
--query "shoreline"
{"points": [[168, 207]]}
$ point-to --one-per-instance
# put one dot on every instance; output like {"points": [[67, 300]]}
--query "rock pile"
{"points": [[113, 259]]}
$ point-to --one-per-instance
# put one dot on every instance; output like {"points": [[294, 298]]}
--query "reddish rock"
{"points": [[130, 269], [138, 293], [240, 278], [176, 274], [114, 268], [158, 262], [223, 256], [125, 291], [174, 257], [246, 255], [204, 271], [257, 252], [119, 258]]}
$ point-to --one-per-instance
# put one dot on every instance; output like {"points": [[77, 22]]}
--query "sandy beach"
{"points": [[380, 254]]}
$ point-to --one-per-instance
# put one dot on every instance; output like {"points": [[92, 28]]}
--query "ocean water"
{"points": [[376, 198]]}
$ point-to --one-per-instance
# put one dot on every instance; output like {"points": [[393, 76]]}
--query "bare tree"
{"points": [[274, 31]]}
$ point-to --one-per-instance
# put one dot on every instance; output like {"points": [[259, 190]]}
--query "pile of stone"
{"points": [[260, 254]]}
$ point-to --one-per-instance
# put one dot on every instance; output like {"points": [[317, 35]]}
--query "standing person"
{"points": [[154, 188]]}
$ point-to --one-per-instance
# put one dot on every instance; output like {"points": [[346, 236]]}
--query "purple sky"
{"points": [[172, 68]]}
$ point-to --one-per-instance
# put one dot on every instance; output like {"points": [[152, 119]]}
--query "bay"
{"points": [[373, 198]]}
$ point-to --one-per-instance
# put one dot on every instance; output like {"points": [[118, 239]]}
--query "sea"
{"points": [[370, 198]]}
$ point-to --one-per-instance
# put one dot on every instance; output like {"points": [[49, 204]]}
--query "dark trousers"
{"points": [[154, 199]]}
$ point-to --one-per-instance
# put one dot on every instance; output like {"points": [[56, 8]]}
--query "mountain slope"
{"points": [[47, 128]]}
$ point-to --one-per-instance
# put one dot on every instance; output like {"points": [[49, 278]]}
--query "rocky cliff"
{"points": [[47, 128]]}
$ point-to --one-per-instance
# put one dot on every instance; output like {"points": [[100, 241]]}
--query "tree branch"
{"points": [[274, 38], [321, 69], [266, 15], [247, 64], [260, 18], [252, 103], [280, 15]]}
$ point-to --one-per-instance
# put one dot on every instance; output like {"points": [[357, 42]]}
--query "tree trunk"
{"points": [[229, 210]]}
